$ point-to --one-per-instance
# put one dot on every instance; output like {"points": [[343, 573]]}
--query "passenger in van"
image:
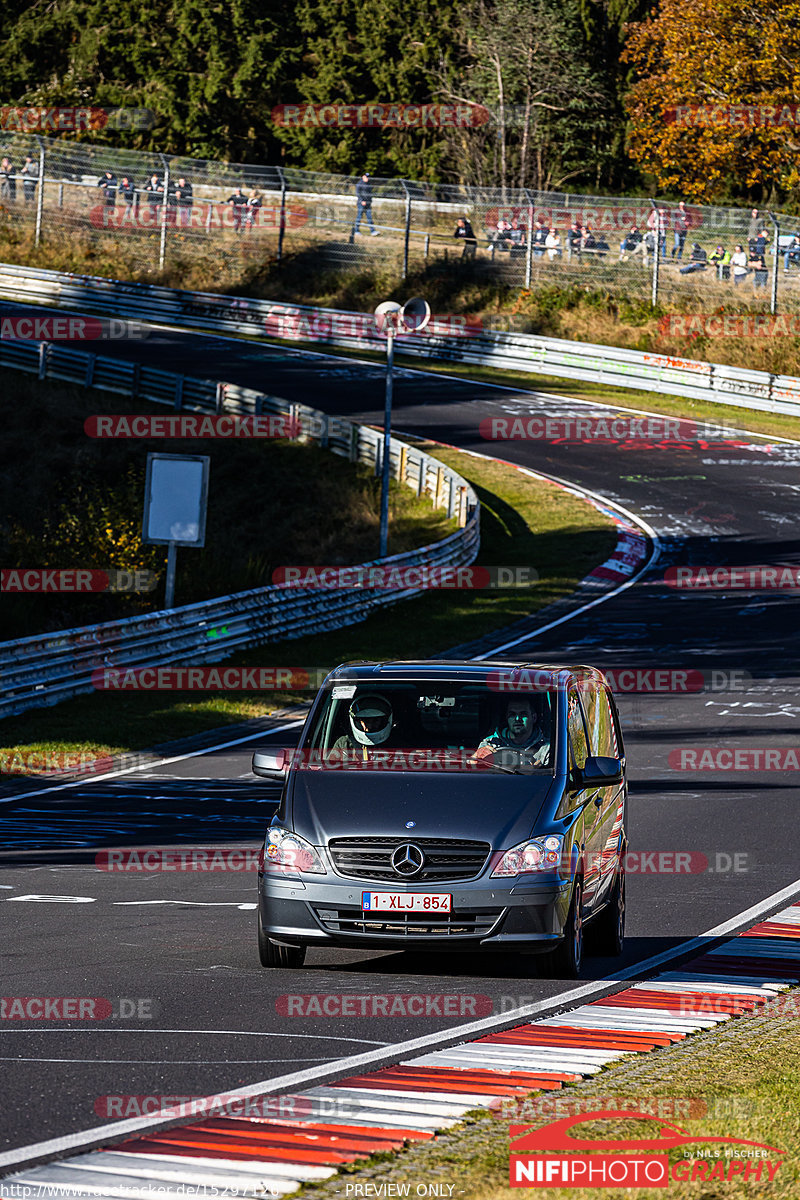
{"points": [[521, 741]]}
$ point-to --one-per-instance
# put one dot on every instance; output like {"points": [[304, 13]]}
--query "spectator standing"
{"points": [[8, 183], [238, 203], [758, 266], [127, 194], [184, 198], [466, 233], [739, 264], [753, 228], [759, 246], [553, 244], [657, 224], [254, 203], [680, 226], [364, 205], [30, 174], [792, 254], [574, 236], [108, 183], [155, 197]]}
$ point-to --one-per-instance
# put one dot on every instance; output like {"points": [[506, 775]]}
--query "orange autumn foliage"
{"points": [[720, 53]]}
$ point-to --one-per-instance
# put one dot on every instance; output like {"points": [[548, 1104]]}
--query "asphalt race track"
{"points": [[179, 948]]}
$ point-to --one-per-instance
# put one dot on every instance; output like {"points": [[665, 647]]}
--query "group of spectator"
{"points": [[28, 174], [546, 241], [179, 199]]}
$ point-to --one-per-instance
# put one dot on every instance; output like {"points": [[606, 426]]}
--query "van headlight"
{"points": [[286, 853], [537, 854]]}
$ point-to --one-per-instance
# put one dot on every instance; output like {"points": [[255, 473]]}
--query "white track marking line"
{"points": [[262, 1033], [117, 1130], [87, 779]]}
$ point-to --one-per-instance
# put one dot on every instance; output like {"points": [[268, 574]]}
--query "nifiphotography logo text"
{"points": [[632, 1163]]}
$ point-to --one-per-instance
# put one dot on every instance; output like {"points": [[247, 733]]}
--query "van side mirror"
{"points": [[600, 771], [271, 764]]}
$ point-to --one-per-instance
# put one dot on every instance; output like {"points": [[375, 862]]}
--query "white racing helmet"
{"points": [[370, 720]]}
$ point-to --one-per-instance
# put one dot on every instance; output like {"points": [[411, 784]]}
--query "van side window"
{"points": [[579, 750], [602, 735]]}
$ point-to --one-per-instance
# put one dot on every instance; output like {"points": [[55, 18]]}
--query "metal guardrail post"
{"points": [[90, 363], [178, 402], [529, 247], [162, 241], [282, 217], [44, 353], [219, 398], [776, 245], [40, 194], [407, 230]]}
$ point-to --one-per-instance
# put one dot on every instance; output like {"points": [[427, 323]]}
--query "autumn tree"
{"points": [[716, 54]]}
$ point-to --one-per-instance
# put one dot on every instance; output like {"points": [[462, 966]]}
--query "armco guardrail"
{"points": [[37, 671], [510, 351]]}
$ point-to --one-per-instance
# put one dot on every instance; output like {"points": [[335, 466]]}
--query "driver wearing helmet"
{"points": [[371, 721], [522, 741]]}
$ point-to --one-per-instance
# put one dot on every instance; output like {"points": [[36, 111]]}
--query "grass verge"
{"points": [[740, 1080], [525, 522]]}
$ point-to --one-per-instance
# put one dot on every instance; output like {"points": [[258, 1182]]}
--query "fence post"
{"points": [[162, 244], [40, 194], [657, 254], [408, 229], [529, 247], [773, 299], [44, 352], [282, 217]]}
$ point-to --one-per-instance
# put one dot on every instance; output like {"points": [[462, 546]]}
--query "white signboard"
{"points": [[175, 497]]}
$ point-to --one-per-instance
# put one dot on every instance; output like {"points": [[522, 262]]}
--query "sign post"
{"points": [[175, 503]]}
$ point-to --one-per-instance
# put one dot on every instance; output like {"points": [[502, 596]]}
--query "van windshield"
{"points": [[439, 726]]}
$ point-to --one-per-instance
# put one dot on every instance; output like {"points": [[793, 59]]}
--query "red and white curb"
{"points": [[411, 1101]]}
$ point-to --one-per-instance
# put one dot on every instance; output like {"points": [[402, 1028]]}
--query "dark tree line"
{"points": [[548, 72]]}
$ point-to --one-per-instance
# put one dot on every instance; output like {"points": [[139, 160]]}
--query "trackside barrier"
{"points": [[508, 351], [37, 671]]}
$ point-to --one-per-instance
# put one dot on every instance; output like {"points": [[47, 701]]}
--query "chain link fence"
{"points": [[212, 223]]}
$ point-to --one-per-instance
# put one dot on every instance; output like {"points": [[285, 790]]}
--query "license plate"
{"points": [[406, 902]]}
